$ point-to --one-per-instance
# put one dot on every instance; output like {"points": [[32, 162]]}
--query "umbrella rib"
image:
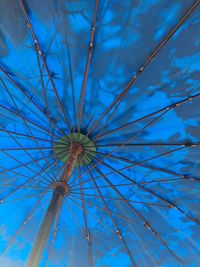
{"points": [[30, 179], [74, 216], [16, 186], [28, 120], [51, 121], [147, 62], [132, 165], [22, 91], [28, 128], [26, 166], [168, 180], [30, 98], [25, 148], [152, 167], [71, 80], [87, 232], [25, 135], [36, 87], [103, 209], [30, 27], [146, 224], [25, 197], [118, 232], [127, 141], [150, 144], [19, 174], [54, 236], [103, 186], [92, 215], [21, 101], [2, 201], [27, 219], [18, 166], [48, 112], [89, 56], [30, 156], [120, 199], [172, 106], [128, 200], [171, 204]]}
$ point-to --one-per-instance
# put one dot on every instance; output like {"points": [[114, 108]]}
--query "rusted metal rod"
{"points": [[60, 189], [75, 150]]}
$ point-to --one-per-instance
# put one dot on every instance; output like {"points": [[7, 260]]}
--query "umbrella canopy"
{"points": [[99, 133]]}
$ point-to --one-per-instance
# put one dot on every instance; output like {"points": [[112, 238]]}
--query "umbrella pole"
{"points": [[60, 190]]}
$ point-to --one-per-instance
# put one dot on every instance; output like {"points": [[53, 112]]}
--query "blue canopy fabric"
{"points": [[127, 74]]}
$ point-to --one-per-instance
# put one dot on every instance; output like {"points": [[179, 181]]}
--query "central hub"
{"points": [[77, 142], [62, 187], [78, 147]]}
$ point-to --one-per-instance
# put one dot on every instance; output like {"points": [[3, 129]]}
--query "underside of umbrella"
{"points": [[99, 133]]}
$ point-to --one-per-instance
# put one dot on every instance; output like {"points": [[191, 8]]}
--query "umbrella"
{"points": [[99, 125]]}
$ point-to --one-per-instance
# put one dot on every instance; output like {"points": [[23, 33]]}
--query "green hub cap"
{"points": [[62, 148]]}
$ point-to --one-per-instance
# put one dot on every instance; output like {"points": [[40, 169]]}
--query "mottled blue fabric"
{"points": [[154, 198]]}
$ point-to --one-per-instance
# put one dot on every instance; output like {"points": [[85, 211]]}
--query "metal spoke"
{"points": [[144, 221], [36, 42], [71, 81], [92, 215], [19, 175], [18, 187], [136, 164], [30, 179], [22, 90], [102, 186], [124, 92], [74, 216], [103, 209], [46, 52], [149, 144], [169, 180], [27, 167], [25, 148], [25, 135], [19, 166], [23, 198], [13, 186], [125, 142], [29, 155], [16, 167], [122, 200], [117, 229], [47, 107], [170, 203], [50, 120], [26, 119], [153, 167], [87, 232], [118, 232], [30, 131], [172, 106], [89, 56]]}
